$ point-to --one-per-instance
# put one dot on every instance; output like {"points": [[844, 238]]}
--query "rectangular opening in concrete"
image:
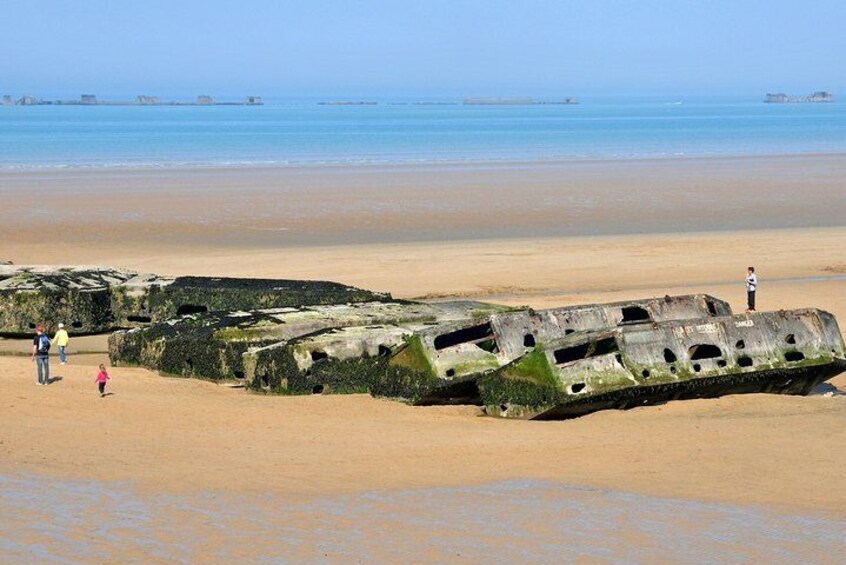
{"points": [[744, 361], [585, 350], [191, 309], [712, 308], [471, 334], [794, 356], [634, 315]]}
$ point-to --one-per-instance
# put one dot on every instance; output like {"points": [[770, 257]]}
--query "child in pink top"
{"points": [[101, 379]]}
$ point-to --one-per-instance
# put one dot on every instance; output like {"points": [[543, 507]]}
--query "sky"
{"points": [[421, 48]]}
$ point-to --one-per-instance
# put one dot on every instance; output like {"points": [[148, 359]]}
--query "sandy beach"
{"points": [[540, 235]]}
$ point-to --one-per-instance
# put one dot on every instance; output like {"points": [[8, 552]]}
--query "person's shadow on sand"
{"points": [[105, 394], [52, 380], [827, 388]]}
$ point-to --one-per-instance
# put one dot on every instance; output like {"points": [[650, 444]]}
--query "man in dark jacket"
{"points": [[41, 355]]}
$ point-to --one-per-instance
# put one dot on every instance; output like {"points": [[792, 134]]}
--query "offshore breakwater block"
{"points": [[787, 352], [210, 345], [79, 297], [349, 353], [148, 298], [207, 346], [448, 358], [94, 300], [338, 360]]}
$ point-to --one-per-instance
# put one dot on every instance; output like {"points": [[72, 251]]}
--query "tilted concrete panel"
{"points": [[786, 352], [459, 352], [279, 345]]}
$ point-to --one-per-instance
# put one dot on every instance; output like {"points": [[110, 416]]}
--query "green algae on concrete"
{"points": [[186, 295], [188, 347], [97, 300], [75, 296], [781, 352], [282, 350], [337, 360]]}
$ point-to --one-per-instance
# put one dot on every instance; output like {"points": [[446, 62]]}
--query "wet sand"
{"points": [[492, 241], [518, 521], [294, 206]]}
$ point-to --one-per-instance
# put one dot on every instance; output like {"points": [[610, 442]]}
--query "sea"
{"points": [[305, 132]]}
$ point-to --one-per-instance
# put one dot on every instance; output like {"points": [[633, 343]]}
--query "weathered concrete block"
{"points": [[96, 300], [76, 296], [154, 299], [448, 355], [780, 352], [209, 346], [353, 355], [340, 360], [281, 344]]}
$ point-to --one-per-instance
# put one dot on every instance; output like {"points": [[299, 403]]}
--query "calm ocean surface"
{"points": [[288, 132]]}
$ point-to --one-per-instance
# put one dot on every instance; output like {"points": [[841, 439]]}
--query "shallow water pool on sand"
{"points": [[520, 521]]}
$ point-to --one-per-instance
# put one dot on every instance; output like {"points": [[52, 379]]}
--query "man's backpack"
{"points": [[43, 344]]}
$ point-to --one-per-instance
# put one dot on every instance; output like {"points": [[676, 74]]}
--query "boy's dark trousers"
{"points": [[102, 387], [42, 369], [750, 299]]}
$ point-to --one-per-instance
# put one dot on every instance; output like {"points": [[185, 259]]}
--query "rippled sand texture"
{"points": [[519, 521]]}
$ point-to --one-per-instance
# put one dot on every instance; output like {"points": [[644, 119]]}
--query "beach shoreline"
{"points": [[411, 165]]}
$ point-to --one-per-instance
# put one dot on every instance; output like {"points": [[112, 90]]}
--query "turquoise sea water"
{"points": [[303, 132]]}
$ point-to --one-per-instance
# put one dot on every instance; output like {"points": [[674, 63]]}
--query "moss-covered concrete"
{"points": [[193, 294], [189, 348], [781, 352], [284, 350], [77, 297], [96, 300]]}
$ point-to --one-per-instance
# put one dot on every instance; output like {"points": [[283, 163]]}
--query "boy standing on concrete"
{"points": [[41, 355], [61, 340], [751, 287]]}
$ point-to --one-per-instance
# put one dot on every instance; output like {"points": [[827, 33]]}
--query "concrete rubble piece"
{"points": [[96, 300], [314, 337], [336, 348], [456, 352], [787, 352]]}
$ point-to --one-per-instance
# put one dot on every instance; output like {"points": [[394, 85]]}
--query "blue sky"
{"points": [[425, 48]]}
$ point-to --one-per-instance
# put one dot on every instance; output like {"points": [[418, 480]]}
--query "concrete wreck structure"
{"points": [[788, 352], [97, 300], [317, 337], [295, 350], [461, 351], [79, 297], [421, 353], [515, 362]]}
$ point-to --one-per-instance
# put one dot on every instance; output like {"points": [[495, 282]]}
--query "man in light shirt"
{"points": [[61, 339], [751, 287]]}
